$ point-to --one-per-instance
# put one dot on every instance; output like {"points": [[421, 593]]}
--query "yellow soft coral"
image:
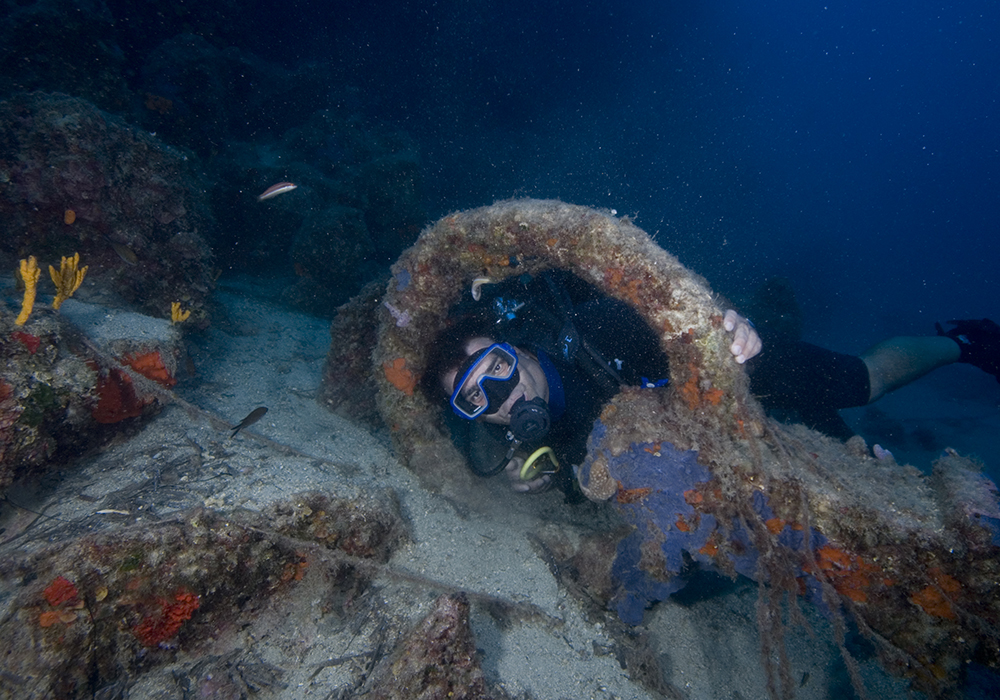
{"points": [[176, 315], [29, 274], [68, 279]]}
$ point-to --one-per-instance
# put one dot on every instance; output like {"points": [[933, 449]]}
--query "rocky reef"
{"points": [[74, 179], [73, 380], [437, 660], [85, 614]]}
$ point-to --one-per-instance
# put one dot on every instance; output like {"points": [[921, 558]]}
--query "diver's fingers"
{"points": [[513, 469], [730, 320], [735, 324], [752, 346], [746, 342], [533, 486]]}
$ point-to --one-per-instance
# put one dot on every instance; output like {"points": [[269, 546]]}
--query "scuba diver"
{"points": [[528, 368]]}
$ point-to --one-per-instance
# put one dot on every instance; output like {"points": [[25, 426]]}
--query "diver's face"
{"points": [[532, 380]]}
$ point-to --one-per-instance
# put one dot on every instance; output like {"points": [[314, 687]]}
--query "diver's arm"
{"points": [[898, 361]]}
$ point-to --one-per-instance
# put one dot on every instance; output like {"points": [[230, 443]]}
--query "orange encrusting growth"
{"points": [[691, 393], [849, 573], [625, 495], [711, 548], [932, 598], [62, 595], [693, 497], [160, 627], [713, 396], [615, 279], [399, 376], [60, 591], [117, 398], [774, 525], [150, 365], [49, 618]]}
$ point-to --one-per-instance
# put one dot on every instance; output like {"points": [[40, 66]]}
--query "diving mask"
{"points": [[485, 381]]}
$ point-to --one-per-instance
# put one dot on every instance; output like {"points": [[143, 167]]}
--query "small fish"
{"points": [[255, 415], [124, 252], [477, 284], [275, 190]]}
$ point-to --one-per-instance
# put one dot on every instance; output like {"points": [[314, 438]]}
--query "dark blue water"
{"points": [[850, 146]]}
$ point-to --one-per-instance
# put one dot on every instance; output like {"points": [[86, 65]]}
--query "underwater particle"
{"points": [[69, 216], [60, 591], [275, 190]]}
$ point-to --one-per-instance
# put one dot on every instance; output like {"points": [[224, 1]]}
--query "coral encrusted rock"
{"points": [[437, 660]]}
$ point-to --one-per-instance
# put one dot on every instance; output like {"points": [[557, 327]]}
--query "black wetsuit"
{"points": [[795, 380]]}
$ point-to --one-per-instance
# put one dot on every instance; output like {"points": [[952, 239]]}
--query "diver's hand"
{"points": [[746, 342], [513, 471]]}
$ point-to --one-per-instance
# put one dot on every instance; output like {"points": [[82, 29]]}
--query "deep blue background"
{"points": [[852, 146]]}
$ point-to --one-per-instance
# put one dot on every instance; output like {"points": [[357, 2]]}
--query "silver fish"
{"points": [[276, 189]]}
